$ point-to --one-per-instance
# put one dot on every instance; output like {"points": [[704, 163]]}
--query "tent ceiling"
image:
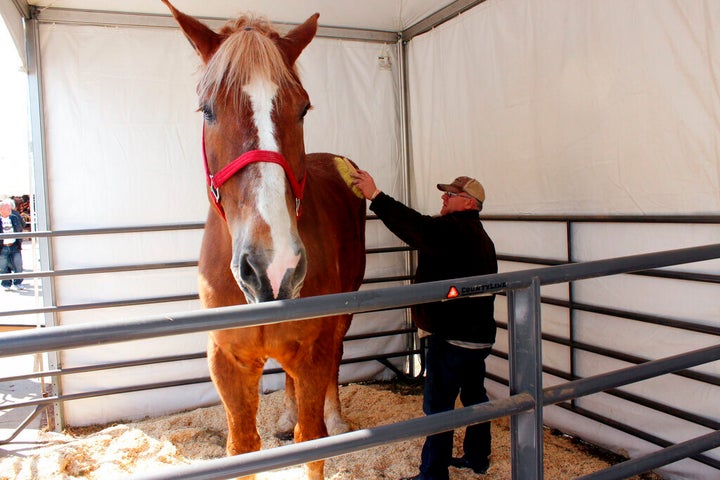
{"points": [[384, 15]]}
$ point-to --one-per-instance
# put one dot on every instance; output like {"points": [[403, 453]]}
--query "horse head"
{"points": [[253, 105]]}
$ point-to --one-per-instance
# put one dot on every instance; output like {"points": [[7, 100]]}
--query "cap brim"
{"points": [[444, 187]]}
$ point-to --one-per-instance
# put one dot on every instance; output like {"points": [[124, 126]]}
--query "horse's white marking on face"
{"points": [[271, 205], [262, 94]]}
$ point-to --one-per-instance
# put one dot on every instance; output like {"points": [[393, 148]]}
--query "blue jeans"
{"points": [[10, 261], [453, 371]]}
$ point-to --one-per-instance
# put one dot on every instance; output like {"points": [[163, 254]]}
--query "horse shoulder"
{"points": [[332, 223]]}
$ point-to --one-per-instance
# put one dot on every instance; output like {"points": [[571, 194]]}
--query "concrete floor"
{"points": [[14, 391]]}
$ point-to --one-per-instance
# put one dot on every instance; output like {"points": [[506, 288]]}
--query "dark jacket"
{"points": [[449, 246], [17, 223]]}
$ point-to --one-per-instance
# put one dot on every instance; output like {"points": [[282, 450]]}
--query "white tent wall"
{"points": [[12, 14], [595, 107], [572, 107], [558, 107], [123, 149]]}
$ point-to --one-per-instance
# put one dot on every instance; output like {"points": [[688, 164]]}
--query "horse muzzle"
{"points": [[265, 275]]}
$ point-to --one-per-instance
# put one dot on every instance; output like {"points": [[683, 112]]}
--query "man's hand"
{"points": [[364, 181]]}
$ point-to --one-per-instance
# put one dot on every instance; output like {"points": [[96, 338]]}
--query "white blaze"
{"points": [[271, 205]]}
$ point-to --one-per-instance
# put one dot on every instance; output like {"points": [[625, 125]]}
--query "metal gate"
{"points": [[524, 405]]}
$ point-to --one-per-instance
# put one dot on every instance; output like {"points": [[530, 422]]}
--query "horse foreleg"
{"points": [[332, 412], [310, 388], [334, 420], [237, 384], [288, 419]]}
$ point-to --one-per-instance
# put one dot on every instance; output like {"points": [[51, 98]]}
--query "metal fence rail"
{"points": [[52, 306], [114, 331], [515, 405], [54, 273], [522, 289], [573, 226]]}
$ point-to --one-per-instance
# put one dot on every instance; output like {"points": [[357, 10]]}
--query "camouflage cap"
{"points": [[464, 184]]}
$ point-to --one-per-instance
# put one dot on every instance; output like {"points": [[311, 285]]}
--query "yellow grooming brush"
{"points": [[345, 168]]}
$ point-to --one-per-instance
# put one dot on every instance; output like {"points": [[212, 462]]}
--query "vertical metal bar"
{"points": [[41, 192], [405, 138], [571, 303], [409, 258], [526, 439]]}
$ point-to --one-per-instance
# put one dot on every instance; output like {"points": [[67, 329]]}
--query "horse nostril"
{"points": [[265, 275], [245, 268], [301, 271], [248, 274]]}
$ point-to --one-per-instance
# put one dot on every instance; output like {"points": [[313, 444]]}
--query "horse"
{"points": [[282, 224]]}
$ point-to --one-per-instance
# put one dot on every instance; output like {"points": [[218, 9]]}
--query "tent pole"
{"points": [[98, 18], [41, 199]]}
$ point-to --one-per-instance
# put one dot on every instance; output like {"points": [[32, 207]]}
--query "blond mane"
{"points": [[248, 52]]}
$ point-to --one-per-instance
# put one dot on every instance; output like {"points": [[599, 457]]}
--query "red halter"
{"points": [[253, 156]]}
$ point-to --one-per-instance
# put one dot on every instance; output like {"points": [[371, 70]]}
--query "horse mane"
{"points": [[249, 51]]}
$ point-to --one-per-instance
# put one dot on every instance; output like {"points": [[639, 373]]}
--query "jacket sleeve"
{"points": [[415, 229], [18, 222]]}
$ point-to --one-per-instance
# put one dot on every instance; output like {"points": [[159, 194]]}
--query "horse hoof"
{"points": [[285, 436], [337, 426]]}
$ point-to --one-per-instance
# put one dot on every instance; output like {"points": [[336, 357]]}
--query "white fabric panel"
{"points": [[555, 319], [122, 150], [355, 102], [609, 438], [674, 390], [563, 107], [571, 107], [14, 155], [594, 241], [557, 291], [496, 366], [14, 22], [123, 142], [540, 240], [555, 356], [554, 322], [667, 390], [642, 339], [136, 405], [388, 15], [693, 301]]}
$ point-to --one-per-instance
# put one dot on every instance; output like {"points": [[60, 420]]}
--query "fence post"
{"points": [[526, 435]]}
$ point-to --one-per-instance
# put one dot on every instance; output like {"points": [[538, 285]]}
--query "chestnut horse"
{"points": [[283, 225]]}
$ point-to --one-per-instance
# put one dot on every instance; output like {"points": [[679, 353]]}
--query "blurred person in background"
{"points": [[11, 247]]}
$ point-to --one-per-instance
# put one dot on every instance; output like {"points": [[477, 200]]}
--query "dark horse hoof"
{"points": [[285, 436]]}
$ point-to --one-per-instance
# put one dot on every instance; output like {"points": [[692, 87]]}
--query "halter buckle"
{"points": [[213, 189]]}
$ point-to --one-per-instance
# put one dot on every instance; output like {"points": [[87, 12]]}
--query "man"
{"points": [[451, 245], [10, 248]]}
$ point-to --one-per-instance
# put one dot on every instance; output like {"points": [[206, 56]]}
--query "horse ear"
{"points": [[204, 40], [298, 38]]}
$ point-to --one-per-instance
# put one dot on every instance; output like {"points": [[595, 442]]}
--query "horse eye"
{"points": [[208, 113], [308, 107]]}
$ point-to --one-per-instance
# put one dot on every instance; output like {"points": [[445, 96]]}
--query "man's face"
{"points": [[455, 202], [5, 210]]}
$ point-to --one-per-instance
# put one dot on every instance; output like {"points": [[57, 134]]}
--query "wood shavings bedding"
{"points": [[118, 451]]}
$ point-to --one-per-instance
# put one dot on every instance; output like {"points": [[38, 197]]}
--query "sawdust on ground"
{"points": [[120, 450]]}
